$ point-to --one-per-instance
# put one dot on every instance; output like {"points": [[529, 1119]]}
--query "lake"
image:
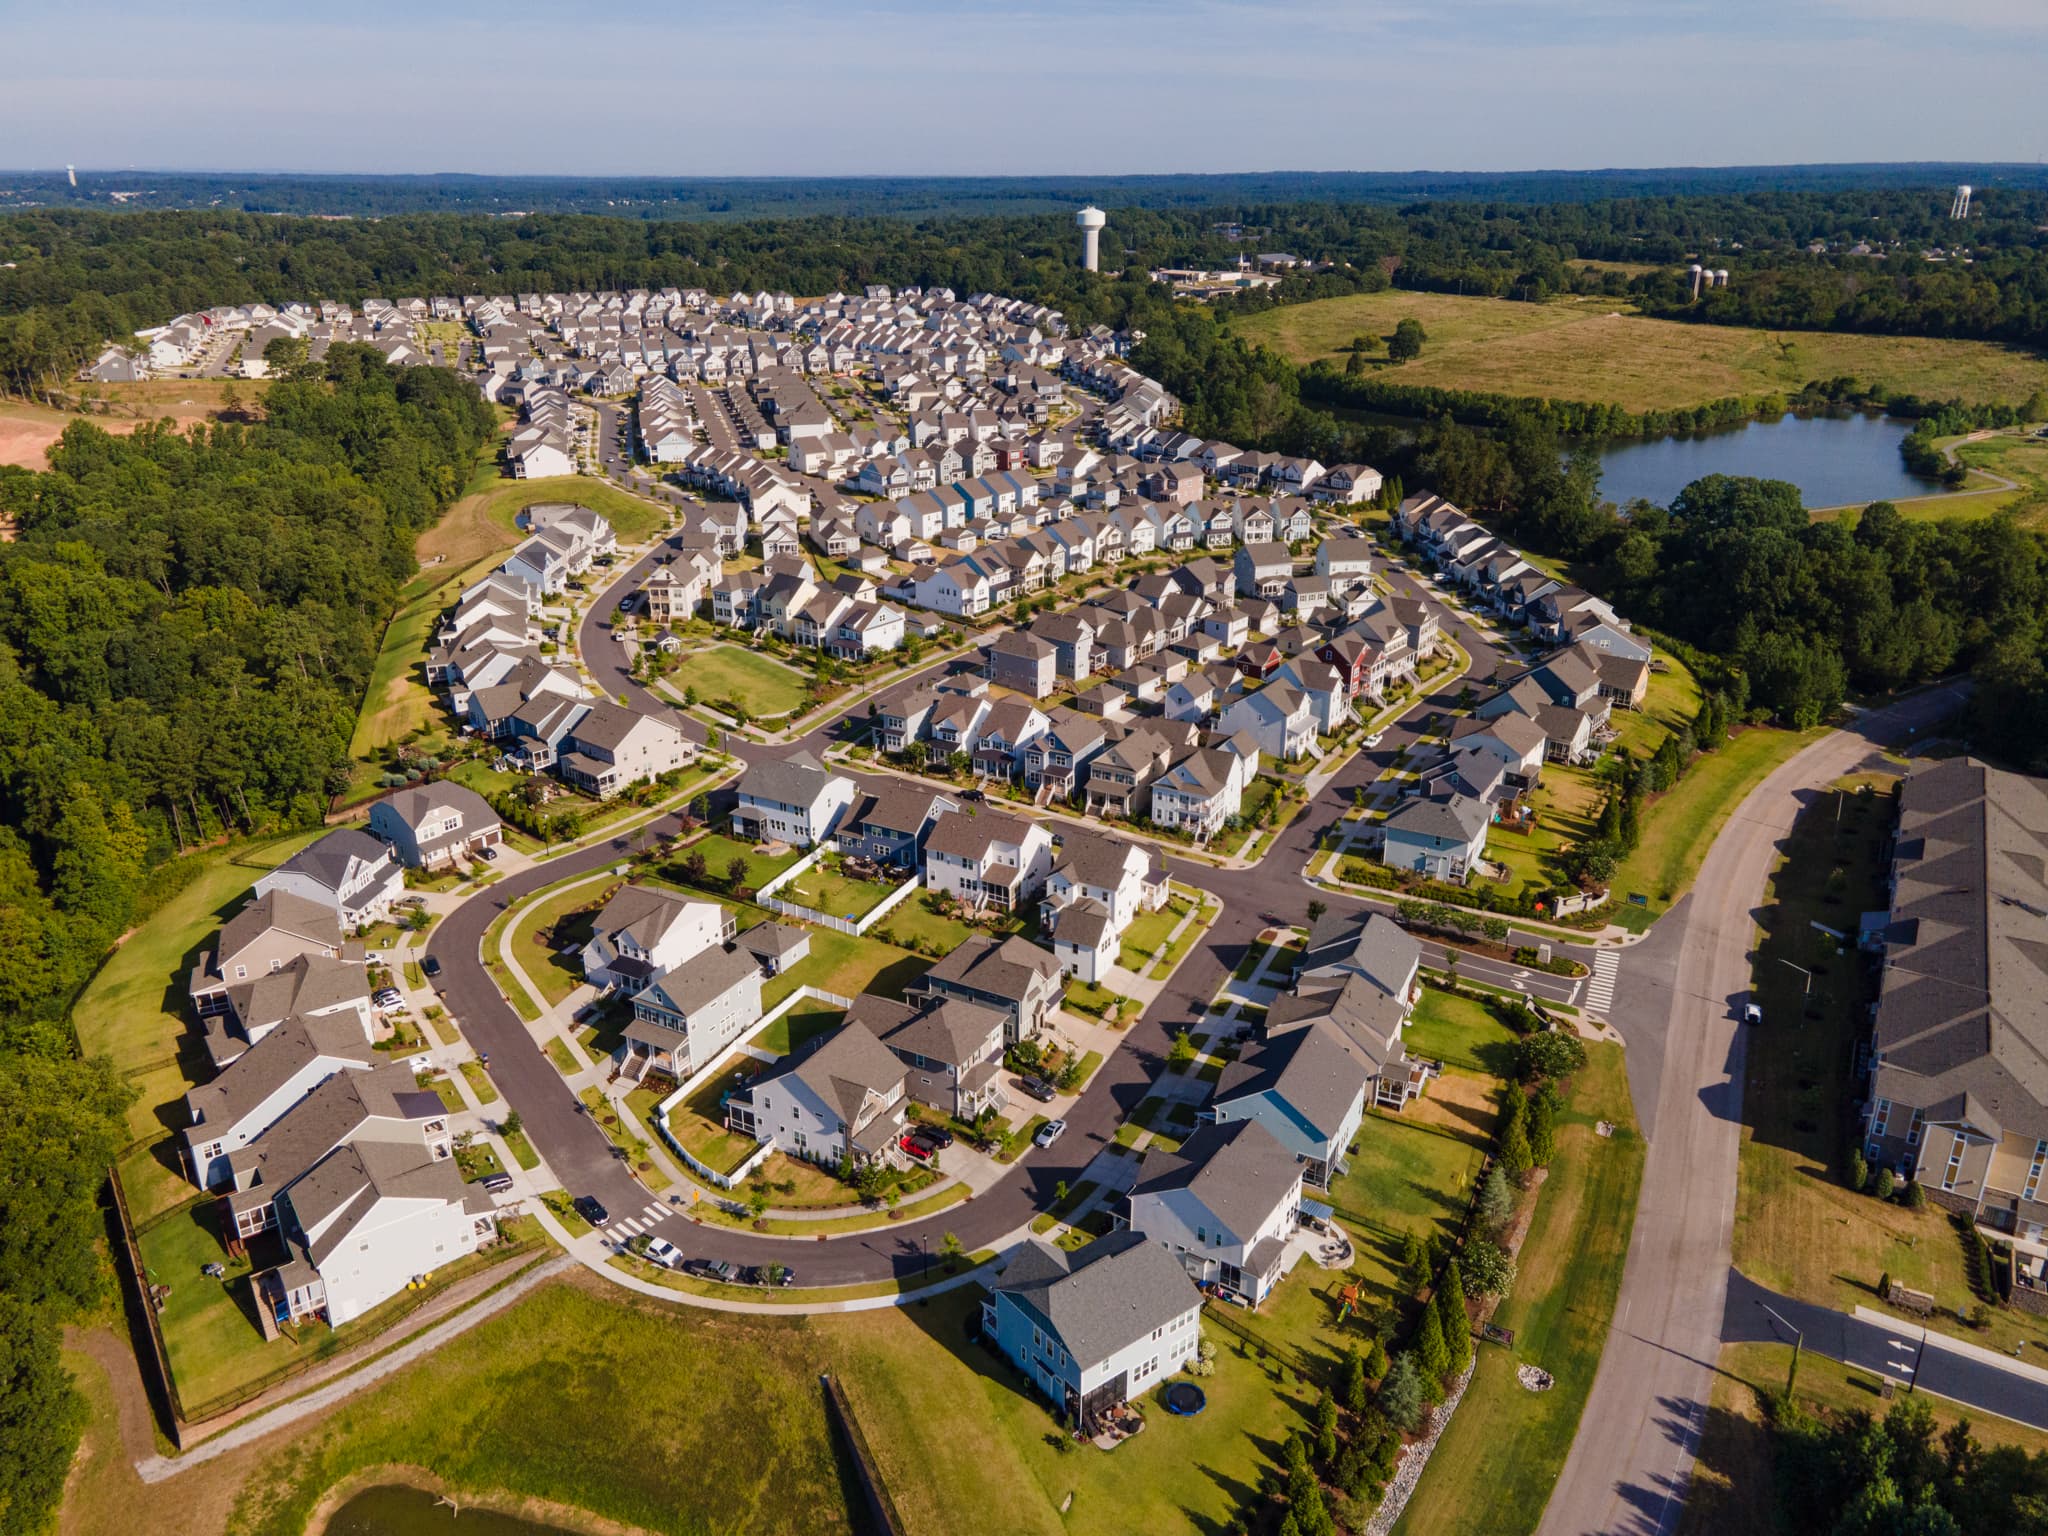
{"points": [[392, 1509], [1841, 460]]}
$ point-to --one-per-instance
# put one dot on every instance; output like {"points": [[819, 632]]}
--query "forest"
{"points": [[187, 625]]}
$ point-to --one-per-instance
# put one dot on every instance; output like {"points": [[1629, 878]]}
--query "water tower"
{"points": [[72, 172], [1960, 207], [1090, 221]]}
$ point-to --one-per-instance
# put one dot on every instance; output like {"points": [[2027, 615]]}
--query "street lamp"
{"points": [[924, 1241], [1798, 1342], [1806, 990]]}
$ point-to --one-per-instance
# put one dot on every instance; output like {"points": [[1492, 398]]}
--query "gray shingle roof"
{"points": [[794, 780], [1107, 1295], [1310, 1069], [1239, 1172]]}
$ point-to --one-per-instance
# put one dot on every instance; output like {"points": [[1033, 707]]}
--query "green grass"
{"points": [[562, 1206], [560, 1054], [801, 1025], [847, 966], [916, 923], [443, 1088], [698, 1123], [1594, 349], [398, 701], [1406, 1176], [1460, 1032], [479, 1082], [836, 894], [521, 1149], [134, 1008], [1681, 824], [563, 919], [482, 524], [1499, 1459], [719, 851], [764, 685]]}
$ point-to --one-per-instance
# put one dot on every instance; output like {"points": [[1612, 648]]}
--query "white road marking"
{"points": [[1600, 985]]}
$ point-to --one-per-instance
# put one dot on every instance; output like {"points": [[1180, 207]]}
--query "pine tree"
{"points": [[1543, 1127], [1400, 1397], [1326, 1428], [1514, 1158], [1496, 1200], [1449, 1306], [1376, 1365], [1432, 1353], [1357, 1395]]}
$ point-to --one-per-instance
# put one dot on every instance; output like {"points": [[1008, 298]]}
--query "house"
{"points": [[348, 871], [1097, 1327], [609, 748], [1367, 944], [1021, 661], [1263, 569], [268, 934], [1012, 976], [1057, 760], [1369, 1024], [1329, 699], [1348, 484], [1120, 777], [1346, 562], [683, 1020], [775, 946], [890, 824], [365, 1222], [644, 932], [1516, 740], [845, 1100], [1440, 839], [1955, 1099], [1097, 887], [954, 1051], [1307, 1088], [1276, 716], [1200, 792], [907, 718], [1072, 639], [792, 800], [1224, 1206], [990, 858], [431, 825], [1010, 726], [252, 1092]]}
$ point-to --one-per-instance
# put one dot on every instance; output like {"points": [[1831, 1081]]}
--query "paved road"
{"points": [[1900, 1349], [586, 1163], [1631, 1460]]}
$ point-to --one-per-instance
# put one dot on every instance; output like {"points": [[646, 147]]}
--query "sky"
{"points": [[1022, 87]]}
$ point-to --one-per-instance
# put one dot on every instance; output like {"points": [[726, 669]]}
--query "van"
{"points": [[496, 1183]]}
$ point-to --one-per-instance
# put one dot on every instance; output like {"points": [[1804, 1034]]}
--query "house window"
{"points": [[1955, 1162], [241, 973], [2034, 1172], [1879, 1116], [1913, 1131]]}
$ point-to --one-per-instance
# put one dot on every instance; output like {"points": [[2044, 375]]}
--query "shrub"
{"points": [[1916, 1196], [1882, 1187], [1856, 1173], [1548, 1054], [1486, 1269]]}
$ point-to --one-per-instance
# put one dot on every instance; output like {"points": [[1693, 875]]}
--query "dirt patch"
{"points": [[1460, 1104], [27, 432], [567, 1516]]}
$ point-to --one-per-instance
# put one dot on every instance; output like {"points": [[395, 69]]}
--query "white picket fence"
{"points": [[766, 897]]}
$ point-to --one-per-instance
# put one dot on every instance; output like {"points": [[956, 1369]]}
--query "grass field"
{"points": [[1595, 349], [1496, 1464], [481, 523], [847, 966], [1411, 1173], [764, 685], [398, 700], [799, 1027], [825, 888], [1682, 823], [134, 1009], [1460, 1032]]}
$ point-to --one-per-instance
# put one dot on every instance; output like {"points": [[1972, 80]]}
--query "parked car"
{"points": [[1040, 1089], [920, 1150], [431, 967], [387, 997], [1050, 1132], [1752, 1014], [936, 1135], [592, 1210], [496, 1183], [1375, 739], [488, 854], [665, 1253], [713, 1269]]}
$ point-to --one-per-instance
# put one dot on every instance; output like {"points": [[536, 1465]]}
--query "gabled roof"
{"points": [[272, 1062], [952, 1032], [794, 780], [848, 1067], [645, 912], [1102, 1298], [1004, 968], [708, 977], [279, 911], [1311, 1070], [1088, 857], [326, 862], [1459, 818], [1238, 1171]]}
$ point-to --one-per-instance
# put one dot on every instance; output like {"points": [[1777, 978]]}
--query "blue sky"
{"points": [[805, 87]]}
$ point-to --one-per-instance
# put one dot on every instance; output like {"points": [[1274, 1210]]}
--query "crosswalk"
{"points": [[646, 1221], [1600, 985]]}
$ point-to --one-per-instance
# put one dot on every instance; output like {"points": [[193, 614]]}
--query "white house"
{"points": [[1096, 1327], [845, 1099], [253, 1092], [429, 825], [645, 932], [347, 870], [683, 1019], [1442, 839], [1277, 717], [989, 859], [609, 748], [793, 800], [1224, 1205]]}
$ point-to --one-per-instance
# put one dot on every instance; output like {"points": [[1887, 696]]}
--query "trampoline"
{"points": [[1186, 1399]]}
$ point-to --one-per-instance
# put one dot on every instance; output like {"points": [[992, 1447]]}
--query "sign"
{"points": [[1637, 899]]}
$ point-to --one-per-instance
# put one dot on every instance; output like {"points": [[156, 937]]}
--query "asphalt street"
{"points": [[1273, 890], [1632, 1457]]}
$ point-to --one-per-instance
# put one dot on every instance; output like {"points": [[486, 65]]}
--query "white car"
{"points": [[1752, 1014], [665, 1253], [1375, 739], [1050, 1132]]}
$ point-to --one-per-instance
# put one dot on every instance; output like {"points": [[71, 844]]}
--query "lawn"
{"points": [[551, 937], [764, 685], [1498, 1460], [1681, 824], [1592, 348], [1409, 1175], [915, 922], [559, 1053], [847, 966], [1145, 938], [1460, 1032], [698, 1123], [134, 1007], [719, 851], [799, 1027], [479, 1082], [481, 524], [824, 887], [398, 700]]}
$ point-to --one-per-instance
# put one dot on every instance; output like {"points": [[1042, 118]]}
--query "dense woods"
{"points": [[186, 628]]}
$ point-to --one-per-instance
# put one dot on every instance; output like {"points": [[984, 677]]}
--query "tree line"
{"points": [[187, 626]]}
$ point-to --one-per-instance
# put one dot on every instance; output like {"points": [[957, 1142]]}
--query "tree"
{"points": [[1357, 1391], [61, 1124], [1406, 342], [1495, 929], [1316, 909], [757, 1201], [1548, 1054], [41, 1418], [1542, 1129], [696, 868], [1514, 1157], [1400, 1394], [1856, 1172], [1449, 1303], [1326, 1428], [736, 873], [700, 807], [951, 1248], [1376, 1361], [1432, 1353], [1485, 1269], [1412, 1260], [1182, 1053], [511, 1125], [1496, 1200], [1882, 1185]]}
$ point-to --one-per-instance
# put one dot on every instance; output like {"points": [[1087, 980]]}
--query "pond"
{"points": [[1849, 459], [392, 1509]]}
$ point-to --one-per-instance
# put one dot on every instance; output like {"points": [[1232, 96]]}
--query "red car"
{"points": [[917, 1149]]}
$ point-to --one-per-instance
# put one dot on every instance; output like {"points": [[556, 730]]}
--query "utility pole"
{"points": [[1798, 1343], [1802, 970]]}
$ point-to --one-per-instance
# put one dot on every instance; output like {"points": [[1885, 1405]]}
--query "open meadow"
{"points": [[1599, 349]]}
